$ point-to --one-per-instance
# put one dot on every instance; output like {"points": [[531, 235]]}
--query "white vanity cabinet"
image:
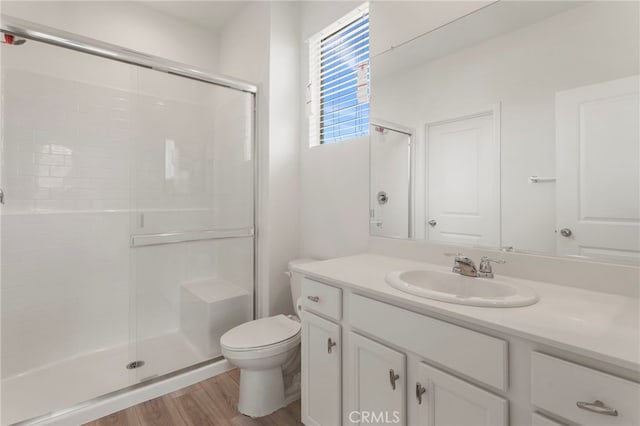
{"points": [[376, 364], [369, 361], [321, 354], [443, 399], [376, 381]]}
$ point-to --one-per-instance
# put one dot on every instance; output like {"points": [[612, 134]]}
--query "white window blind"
{"points": [[338, 95]]}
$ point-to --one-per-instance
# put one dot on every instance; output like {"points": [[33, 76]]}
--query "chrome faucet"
{"points": [[464, 265]]}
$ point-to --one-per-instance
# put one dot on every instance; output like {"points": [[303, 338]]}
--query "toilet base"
{"points": [[261, 391]]}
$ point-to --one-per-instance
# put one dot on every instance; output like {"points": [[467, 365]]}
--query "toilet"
{"points": [[267, 351]]}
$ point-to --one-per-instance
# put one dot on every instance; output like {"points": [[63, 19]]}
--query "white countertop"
{"points": [[597, 325]]}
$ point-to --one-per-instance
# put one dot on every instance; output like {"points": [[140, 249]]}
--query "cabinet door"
{"points": [[448, 401], [377, 383], [321, 375]]}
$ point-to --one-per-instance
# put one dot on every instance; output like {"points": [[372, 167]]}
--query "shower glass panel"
{"points": [[67, 134], [192, 219], [127, 228]]}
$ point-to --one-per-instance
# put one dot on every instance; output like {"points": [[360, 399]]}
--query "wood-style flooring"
{"points": [[211, 402]]}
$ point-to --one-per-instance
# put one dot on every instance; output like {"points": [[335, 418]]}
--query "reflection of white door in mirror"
{"points": [[598, 169], [463, 182]]}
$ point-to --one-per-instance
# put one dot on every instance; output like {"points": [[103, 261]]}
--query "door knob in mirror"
{"points": [[566, 232]]}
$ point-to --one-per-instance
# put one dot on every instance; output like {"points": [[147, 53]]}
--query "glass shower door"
{"points": [[127, 225], [192, 220], [67, 131]]}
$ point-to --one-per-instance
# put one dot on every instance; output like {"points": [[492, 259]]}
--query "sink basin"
{"points": [[455, 288]]}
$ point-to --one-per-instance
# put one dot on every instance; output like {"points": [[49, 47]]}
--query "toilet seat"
{"points": [[262, 335]]}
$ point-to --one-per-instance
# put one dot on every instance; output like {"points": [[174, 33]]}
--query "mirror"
{"points": [[515, 125]]}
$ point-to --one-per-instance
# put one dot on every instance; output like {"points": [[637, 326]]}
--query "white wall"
{"points": [[283, 215], [125, 23], [260, 45], [398, 22], [521, 70], [334, 205]]}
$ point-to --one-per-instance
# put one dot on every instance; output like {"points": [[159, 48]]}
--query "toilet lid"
{"points": [[262, 332]]}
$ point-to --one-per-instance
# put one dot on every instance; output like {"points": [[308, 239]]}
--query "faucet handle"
{"points": [[488, 260], [484, 269]]}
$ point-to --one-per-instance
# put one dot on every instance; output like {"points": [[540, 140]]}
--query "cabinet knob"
{"points": [[314, 298], [597, 407], [420, 390], [392, 378], [330, 345]]}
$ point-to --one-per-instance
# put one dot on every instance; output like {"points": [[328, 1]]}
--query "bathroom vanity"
{"points": [[374, 354]]}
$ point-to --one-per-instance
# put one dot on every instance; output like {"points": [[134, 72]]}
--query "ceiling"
{"points": [[212, 15]]}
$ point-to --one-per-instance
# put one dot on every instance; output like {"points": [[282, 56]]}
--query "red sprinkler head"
{"points": [[12, 40]]}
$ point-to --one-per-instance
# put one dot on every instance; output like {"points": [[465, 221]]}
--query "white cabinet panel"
{"points": [[321, 298], [540, 420], [377, 383], [559, 386], [321, 372], [448, 401], [435, 340]]}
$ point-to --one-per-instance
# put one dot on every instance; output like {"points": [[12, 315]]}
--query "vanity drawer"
{"points": [[470, 353], [540, 420], [322, 298], [557, 386]]}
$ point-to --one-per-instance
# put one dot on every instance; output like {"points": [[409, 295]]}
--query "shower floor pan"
{"points": [[69, 382]]}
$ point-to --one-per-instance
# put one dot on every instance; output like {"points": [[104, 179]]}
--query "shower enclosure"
{"points": [[127, 227]]}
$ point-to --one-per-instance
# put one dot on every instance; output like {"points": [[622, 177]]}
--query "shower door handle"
{"points": [[1, 196]]}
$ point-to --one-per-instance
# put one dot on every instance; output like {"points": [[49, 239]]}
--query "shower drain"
{"points": [[135, 364]]}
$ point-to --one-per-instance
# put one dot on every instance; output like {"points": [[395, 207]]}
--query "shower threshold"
{"points": [[73, 381]]}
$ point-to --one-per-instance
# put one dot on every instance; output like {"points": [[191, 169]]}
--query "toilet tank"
{"points": [[296, 281]]}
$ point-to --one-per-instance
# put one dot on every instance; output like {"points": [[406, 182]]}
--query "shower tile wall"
{"points": [[111, 139], [67, 144], [66, 178]]}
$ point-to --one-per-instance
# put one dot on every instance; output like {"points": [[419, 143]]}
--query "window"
{"points": [[338, 95]]}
